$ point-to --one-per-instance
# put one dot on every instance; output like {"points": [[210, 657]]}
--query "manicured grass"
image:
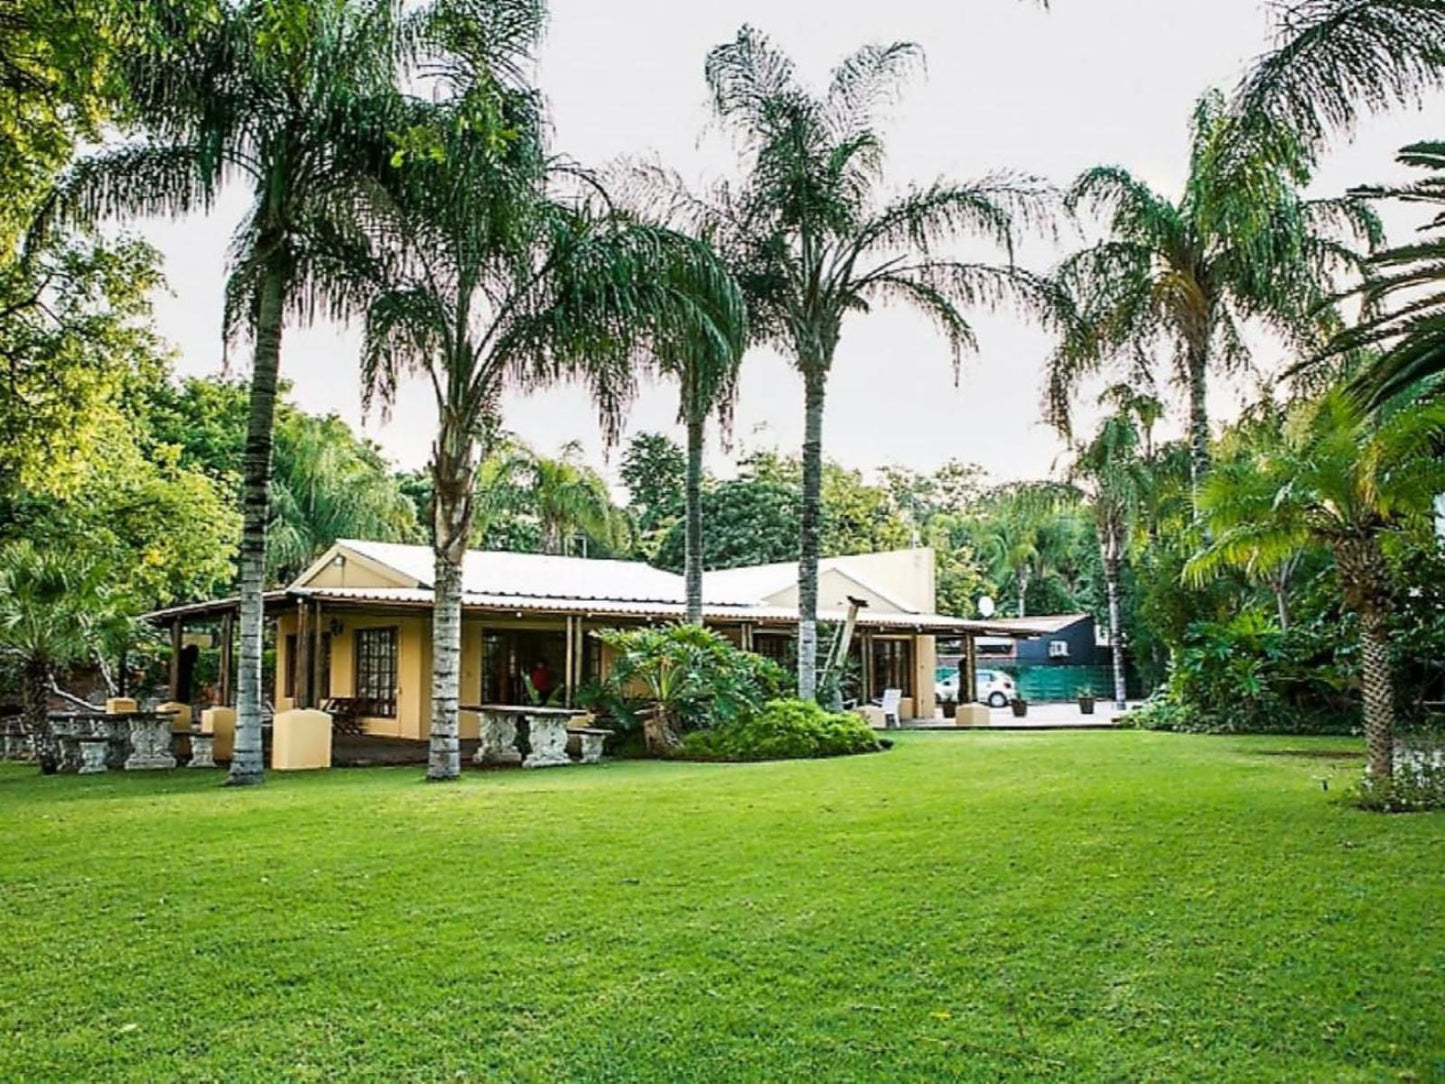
{"points": [[1081, 906]]}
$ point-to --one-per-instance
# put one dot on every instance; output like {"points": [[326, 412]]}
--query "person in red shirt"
{"points": [[541, 679]]}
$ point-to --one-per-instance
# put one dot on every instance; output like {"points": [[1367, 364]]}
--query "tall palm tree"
{"points": [[570, 500], [1344, 482], [811, 240], [1021, 535], [1109, 469], [1333, 59], [494, 280], [1411, 333], [295, 101], [1183, 276], [55, 609], [706, 366]]}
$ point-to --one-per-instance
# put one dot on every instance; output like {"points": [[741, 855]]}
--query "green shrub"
{"points": [[785, 730]]}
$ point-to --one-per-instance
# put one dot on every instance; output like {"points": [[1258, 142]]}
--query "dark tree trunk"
{"points": [[1199, 458], [247, 765], [35, 700], [815, 389], [453, 476], [692, 567]]}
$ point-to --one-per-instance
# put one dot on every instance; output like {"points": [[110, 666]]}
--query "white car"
{"points": [[993, 687]]}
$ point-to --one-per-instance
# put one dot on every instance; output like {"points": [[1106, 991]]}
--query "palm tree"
{"points": [[1241, 243], [494, 281], [1340, 481], [55, 609], [570, 500], [1411, 334], [1333, 59], [327, 485], [295, 101], [810, 240], [706, 367], [1110, 471], [1021, 535]]}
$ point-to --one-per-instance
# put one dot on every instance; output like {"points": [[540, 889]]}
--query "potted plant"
{"points": [[1020, 707], [1086, 701]]}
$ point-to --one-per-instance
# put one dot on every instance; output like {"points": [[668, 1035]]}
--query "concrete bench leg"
{"points": [[549, 744], [203, 747], [592, 748]]}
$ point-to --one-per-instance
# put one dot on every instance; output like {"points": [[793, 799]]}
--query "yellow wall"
{"points": [[413, 698], [356, 571]]}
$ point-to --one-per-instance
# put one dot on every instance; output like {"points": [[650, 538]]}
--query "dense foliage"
{"points": [[785, 730]]}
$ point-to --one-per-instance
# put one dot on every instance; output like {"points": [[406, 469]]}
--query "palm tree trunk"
{"points": [[453, 476], [692, 569], [1021, 577], [35, 700], [247, 766], [1198, 412], [1116, 629], [1364, 582], [814, 391]]}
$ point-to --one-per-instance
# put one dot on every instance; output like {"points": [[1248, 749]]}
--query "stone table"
{"points": [[547, 733]]}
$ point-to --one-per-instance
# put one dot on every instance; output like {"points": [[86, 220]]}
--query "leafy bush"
{"points": [[1246, 676], [687, 677], [785, 730]]}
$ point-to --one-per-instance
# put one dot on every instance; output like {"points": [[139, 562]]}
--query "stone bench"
{"points": [[590, 740]]}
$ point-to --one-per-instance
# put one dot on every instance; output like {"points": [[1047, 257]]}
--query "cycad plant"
{"points": [[295, 101], [1183, 277], [496, 276], [55, 609], [1344, 481], [812, 239]]}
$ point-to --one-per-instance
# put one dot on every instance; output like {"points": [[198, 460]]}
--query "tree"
{"points": [[1412, 334], [1183, 276], [1024, 533], [750, 521], [54, 609], [1347, 483], [569, 500], [328, 485], [1334, 59], [297, 101], [654, 470], [493, 278], [1108, 469], [810, 242]]}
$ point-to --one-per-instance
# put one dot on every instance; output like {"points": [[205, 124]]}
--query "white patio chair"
{"points": [[891, 699]]}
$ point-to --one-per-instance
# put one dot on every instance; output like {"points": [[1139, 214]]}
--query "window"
{"points": [[892, 666], [290, 688], [1058, 649], [775, 646], [376, 671]]}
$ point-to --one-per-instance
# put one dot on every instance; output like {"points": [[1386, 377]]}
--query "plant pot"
{"points": [[1086, 705], [1020, 707]]}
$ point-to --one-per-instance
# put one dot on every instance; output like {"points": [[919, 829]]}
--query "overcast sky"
{"points": [[1008, 86]]}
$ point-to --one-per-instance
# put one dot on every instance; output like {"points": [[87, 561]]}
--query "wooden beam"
{"points": [[228, 621], [569, 679], [968, 684]]}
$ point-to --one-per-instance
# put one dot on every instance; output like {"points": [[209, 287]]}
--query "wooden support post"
{"points": [[747, 644], [313, 683], [968, 685], [868, 691], [175, 674], [301, 665], [228, 620], [569, 679]]}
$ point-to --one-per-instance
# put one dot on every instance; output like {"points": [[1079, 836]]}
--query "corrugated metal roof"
{"points": [[403, 596]]}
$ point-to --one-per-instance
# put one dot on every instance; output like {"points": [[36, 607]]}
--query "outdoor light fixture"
{"points": [[338, 560]]}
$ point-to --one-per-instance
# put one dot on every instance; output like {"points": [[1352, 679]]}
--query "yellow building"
{"points": [[356, 625]]}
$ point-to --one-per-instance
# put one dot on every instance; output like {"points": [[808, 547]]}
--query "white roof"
{"points": [[537, 575], [761, 581]]}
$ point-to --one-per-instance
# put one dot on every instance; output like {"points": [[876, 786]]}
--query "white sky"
{"points": [[1008, 86]]}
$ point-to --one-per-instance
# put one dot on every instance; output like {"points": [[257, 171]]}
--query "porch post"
{"points": [[313, 672], [569, 679], [227, 629], [747, 636], [868, 690], [301, 665], [175, 673], [969, 685]]}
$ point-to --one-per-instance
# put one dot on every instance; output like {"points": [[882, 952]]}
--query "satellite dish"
{"points": [[986, 607]]}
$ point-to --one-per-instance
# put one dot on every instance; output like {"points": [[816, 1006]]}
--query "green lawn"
{"points": [[1082, 906]]}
